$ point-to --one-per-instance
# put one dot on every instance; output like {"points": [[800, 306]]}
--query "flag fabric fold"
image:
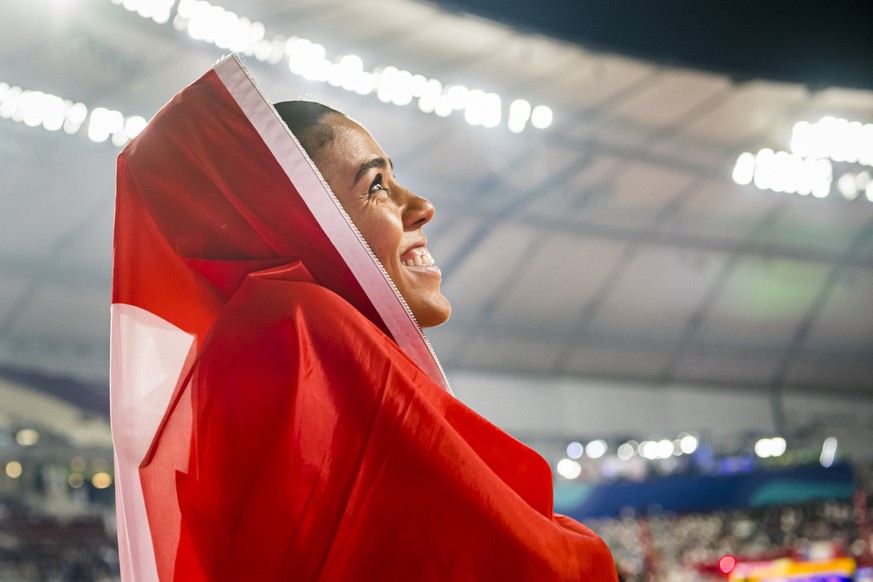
{"points": [[276, 411]]}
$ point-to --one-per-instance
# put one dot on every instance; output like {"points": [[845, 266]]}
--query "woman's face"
{"points": [[389, 216]]}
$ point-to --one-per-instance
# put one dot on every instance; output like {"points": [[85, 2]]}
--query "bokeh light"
{"points": [[27, 437], [14, 469], [575, 450], [569, 469], [101, 480], [596, 448], [727, 563]]}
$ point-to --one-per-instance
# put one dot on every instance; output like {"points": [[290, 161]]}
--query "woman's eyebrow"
{"points": [[374, 163]]}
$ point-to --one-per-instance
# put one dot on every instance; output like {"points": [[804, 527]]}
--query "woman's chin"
{"points": [[433, 313]]}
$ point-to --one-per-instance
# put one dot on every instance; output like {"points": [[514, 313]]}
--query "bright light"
{"points": [[822, 176], [365, 84], [13, 469], [569, 469], [482, 108], [762, 448], [575, 450], [519, 114], [648, 449], [347, 72], [541, 117], [770, 447], [394, 86], [866, 148], [307, 59], [828, 452], [404, 89], [419, 85], [847, 186], [492, 113], [41, 109], [665, 449], [840, 140], [596, 449], [808, 169], [443, 106], [457, 96], [784, 172], [429, 96], [104, 122], [474, 111], [27, 437], [134, 126], [76, 480], [802, 142], [35, 108], [727, 564], [204, 21], [101, 480], [688, 443], [662, 449], [744, 169], [77, 113], [626, 451]]}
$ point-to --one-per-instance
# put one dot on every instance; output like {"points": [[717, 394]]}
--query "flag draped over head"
{"points": [[276, 411]]}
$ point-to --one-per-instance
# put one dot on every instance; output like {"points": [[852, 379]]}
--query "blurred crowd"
{"points": [[49, 548], [686, 548], [661, 547]]}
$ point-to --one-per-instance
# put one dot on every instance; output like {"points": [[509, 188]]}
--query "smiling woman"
{"points": [[389, 217], [276, 410]]}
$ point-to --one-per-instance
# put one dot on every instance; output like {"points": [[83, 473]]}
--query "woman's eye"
{"points": [[376, 185]]}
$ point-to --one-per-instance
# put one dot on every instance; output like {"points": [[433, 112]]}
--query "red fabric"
{"points": [[301, 442], [201, 199], [323, 453]]}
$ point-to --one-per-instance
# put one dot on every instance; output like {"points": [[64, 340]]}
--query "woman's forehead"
{"points": [[353, 144]]}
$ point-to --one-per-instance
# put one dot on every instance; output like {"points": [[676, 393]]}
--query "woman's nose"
{"points": [[418, 212]]}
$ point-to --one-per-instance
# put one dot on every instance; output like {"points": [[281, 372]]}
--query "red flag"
{"points": [[277, 413]]}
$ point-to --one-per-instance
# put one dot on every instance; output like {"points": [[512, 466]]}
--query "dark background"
{"points": [[816, 43]]}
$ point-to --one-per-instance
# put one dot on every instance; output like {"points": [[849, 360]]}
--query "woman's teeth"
{"points": [[420, 258]]}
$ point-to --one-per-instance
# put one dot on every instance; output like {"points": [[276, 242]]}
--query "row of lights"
{"points": [[570, 468], [100, 479], [685, 444], [53, 113], [225, 29], [773, 447], [808, 168]]}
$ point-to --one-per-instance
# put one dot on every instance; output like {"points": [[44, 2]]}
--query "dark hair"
{"points": [[305, 120]]}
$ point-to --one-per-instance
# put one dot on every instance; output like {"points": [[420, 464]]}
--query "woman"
{"points": [[278, 414], [389, 217]]}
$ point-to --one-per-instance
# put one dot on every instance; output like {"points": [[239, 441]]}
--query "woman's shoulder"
{"points": [[298, 319], [263, 303]]}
